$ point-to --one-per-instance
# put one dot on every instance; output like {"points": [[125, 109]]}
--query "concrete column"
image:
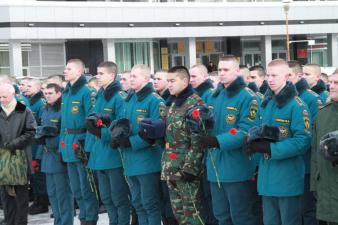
{"points": [[109, 50], [151, 57], [15, 58], [266, 47], [190, 51], [332, 50]]}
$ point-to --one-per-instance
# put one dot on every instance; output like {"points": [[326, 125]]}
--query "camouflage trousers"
{"points": [[185, 201]]}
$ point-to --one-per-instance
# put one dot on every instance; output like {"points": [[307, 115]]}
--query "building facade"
{"points": [[38, 37]]}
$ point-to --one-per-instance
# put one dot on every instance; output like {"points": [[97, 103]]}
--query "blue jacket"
{"points": [[51, 161], [283, 173], [234, 107], [142, 158], [108, 101], [76, 104], [36, 105], [312, 100]]}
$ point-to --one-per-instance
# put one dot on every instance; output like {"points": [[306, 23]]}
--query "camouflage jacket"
{"points": [[182, 150]]}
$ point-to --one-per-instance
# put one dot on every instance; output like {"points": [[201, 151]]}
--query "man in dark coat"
{"points": [[17, 130]]}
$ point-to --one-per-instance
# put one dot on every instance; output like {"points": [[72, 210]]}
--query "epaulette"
{"points": [[250, 92], [123, 94], [326, 104], [312, 92], [260, 95], [157, 96], [299, 101]]}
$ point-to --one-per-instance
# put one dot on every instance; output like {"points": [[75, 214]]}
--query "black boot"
{"points": [[134, 219], [41, 207], [172, 221], [91, 222], [83, 222]]}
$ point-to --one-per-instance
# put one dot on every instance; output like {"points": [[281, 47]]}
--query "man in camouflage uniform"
{"points": [[182, 159]]}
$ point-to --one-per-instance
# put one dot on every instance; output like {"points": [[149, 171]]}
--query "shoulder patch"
{"points": [[313, 93], [253, 110]]}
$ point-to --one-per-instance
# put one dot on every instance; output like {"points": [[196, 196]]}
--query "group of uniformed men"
{"points": [[260, 142]]}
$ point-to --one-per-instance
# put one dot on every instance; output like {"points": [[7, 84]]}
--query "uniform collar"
{"points": [[264, 87], [319, 87], [203, 87], [284, 96], [111, 89], [56, 106], [35, 98], [253, 87], [73, 89], [142, 94], [302, 86], [236, 86], [180, 99], [165, 95]]}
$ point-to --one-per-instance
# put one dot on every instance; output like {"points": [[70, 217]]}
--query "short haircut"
{"points": [[295, 66], [35, 81], [4, 78], [111, 67], [202, 68], [56, 76], [8, 87], [78, 62], [56, 87], [93, 80], [230, 58], [316, 68], [181, 71], [144, 70], [260, 70], [278, 62]]}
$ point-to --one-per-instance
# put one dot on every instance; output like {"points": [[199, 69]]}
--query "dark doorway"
{"points": [[91, 52]]}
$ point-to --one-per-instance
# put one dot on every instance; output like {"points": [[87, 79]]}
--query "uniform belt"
{"points": [[75, 131]]}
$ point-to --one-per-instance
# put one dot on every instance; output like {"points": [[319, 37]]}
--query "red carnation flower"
{"points": [[233, 131], [172, 156], [34, 163], [196, 114], [99, 123], [75, 145], [62, 144]]}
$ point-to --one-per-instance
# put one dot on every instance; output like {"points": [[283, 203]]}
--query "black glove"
{"points": [[259, 146], [208, 141], [143, 135], [93, 129], [124, 142], [115, 144], [187, 177], [10, 146], [39, 141]]}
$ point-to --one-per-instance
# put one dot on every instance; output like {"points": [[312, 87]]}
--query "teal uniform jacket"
{"points": [[313, 102], [51, 161], [20, 97], [204, 90], [76, 104], [90, 138], [234, 107], [142, 158], [282, 175], [320, 89], [108, 101], [36, 105]]}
